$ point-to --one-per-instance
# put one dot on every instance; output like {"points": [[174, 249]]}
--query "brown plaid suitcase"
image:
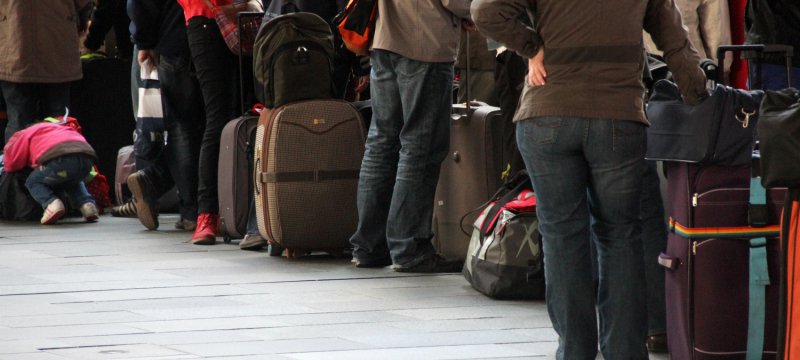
{"points": [[307, 161]]}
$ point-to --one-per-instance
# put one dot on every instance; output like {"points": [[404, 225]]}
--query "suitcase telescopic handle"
{"points": [[787, 50]]}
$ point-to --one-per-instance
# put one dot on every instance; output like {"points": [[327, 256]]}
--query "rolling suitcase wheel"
{"points": [[275, 250]]}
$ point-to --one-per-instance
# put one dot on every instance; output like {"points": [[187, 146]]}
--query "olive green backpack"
{"points": [[293, 59]]}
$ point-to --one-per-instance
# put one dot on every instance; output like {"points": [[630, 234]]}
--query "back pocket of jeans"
{"points": [[545, 129]]}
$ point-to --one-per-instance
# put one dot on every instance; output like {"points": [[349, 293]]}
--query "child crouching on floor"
{"points": [[61, 158]]}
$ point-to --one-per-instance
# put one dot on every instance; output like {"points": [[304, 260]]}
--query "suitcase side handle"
{"points": [[256, 178], [668, 262]]}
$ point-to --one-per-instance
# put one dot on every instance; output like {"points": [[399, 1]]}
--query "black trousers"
{"points": [[217, 73]]}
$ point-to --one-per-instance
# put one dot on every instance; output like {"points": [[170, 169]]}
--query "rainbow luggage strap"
{"points": [[724, 232]]}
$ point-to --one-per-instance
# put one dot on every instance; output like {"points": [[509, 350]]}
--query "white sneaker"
{"points": [[89, 212], [54, 211], [252, 242]]}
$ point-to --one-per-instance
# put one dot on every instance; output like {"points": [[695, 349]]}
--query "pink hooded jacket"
{"points": [[39, 143]]}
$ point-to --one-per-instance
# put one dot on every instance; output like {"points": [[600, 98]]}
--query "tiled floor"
{"points": [[113, 290]]}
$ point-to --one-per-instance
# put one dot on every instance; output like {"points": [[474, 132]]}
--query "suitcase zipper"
{"points": [[694, 248], [696, 196]]}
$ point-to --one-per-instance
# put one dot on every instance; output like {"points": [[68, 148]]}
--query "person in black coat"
{"points": [[158, 30]]}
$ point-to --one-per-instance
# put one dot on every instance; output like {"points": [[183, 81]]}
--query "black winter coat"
{"points": [[774, 22]]}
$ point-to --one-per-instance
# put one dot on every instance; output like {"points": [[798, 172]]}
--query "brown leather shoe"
{"points": [[657, 344]]}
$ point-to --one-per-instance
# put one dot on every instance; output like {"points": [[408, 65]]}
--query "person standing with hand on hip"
{"points": [[581, 131]]}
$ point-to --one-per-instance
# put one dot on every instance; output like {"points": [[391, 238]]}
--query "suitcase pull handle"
{"points": [[668, 261], [256, 179]]}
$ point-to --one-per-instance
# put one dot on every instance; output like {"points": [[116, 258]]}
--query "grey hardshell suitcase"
{"points": [[235, 175], [471, 173]]}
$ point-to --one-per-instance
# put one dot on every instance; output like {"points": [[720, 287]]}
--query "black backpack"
{"points": [[293, 59], [327, 10], [16, 202]]}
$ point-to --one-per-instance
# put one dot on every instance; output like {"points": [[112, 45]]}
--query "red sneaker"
{"points": [[206, 231]]}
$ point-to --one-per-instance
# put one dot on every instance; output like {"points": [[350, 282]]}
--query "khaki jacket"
{"points": [[39, 40], [422, 30], [593, 53], [709, 25]]}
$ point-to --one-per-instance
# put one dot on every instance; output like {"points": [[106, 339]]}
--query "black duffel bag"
{"points": [[779, 138], [16, 203], [720, 130], [505, 259]]}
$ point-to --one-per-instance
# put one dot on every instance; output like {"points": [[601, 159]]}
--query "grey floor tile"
{"points": [[345, 331], [432, 353], [128, 351], [443, 339], [209, 324], [269, 347], [473, 312], [28, 345], [39, 355], [85, 318], [61, 332], [164, 338]]}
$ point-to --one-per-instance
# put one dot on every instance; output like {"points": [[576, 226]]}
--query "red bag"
{"points": [[356, 24]]}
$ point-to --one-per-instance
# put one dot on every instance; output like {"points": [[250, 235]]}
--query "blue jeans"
{"points": [[582, 168], [406, 143], [64, 173], [654, 241], [773, 77]]}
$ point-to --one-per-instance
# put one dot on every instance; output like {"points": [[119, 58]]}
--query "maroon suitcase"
{"points": [[707, 278], [707, 281], [235, 175]]}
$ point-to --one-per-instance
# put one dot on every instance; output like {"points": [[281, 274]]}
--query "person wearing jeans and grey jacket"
{"points": [[581, 132], [412, 57]]}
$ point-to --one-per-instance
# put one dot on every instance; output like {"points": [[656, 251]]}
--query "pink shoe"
{"points": [[54, 211]]}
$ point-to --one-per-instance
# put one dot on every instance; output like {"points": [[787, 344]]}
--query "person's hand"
{"points": [[536, 72], [144, 55], [468, 25], [361, 83], [83, 28]]}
